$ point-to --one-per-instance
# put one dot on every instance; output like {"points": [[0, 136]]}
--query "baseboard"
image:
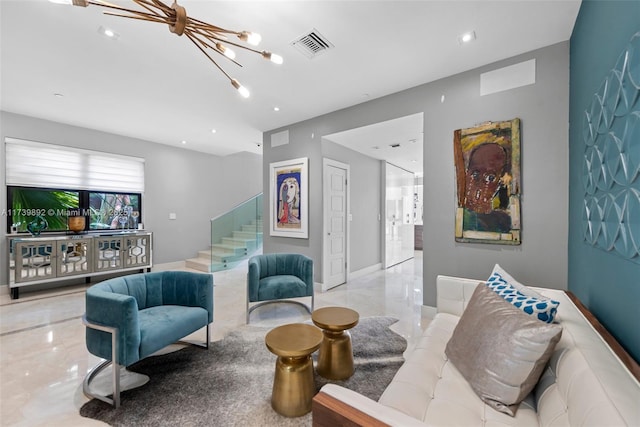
{"points": [[354, 275], [428, 311], [364, 271], [176, 265]]}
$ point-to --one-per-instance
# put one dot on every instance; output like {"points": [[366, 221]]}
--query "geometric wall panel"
{"points": [[611, 162]]}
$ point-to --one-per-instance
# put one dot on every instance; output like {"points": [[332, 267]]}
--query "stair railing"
{"points": [[236, 234]]}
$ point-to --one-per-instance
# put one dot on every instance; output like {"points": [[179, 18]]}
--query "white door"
{"points": [[335, 196]]}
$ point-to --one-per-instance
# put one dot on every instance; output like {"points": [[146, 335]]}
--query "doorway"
{"points": [[336, 224], [399, 242]]}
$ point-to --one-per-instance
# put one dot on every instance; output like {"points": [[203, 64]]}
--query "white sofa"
{"points": [[586, 384]]}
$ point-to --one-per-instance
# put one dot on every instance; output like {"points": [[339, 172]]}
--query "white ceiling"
{"points": [[398, 141], [153, 85]]}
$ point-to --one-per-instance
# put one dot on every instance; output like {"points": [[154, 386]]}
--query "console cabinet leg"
{"points": [[15, 293]]}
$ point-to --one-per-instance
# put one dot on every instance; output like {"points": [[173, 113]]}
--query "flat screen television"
{"points": [[103, 210], [112, 211], [27, 204]]}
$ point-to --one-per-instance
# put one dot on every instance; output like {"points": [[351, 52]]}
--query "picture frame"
{"points": [[488, 183], [288, 198]]}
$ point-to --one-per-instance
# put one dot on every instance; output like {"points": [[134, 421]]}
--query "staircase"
{"points": [[231, 250]]}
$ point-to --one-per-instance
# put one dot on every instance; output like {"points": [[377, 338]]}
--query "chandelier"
{"points": [[205, 37]]}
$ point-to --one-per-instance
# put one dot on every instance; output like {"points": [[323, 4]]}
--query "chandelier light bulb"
{"points": [[243, 90], [251, 38], [276, 59], [229, 53]]}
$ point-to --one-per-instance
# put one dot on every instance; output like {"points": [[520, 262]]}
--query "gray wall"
{"points": [[194, 185], [543, 108], [366, 193]]}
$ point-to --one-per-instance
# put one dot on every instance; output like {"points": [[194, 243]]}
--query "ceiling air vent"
{"points": [[312, 44]]}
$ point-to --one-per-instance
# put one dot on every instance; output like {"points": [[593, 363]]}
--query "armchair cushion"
{"points": [[278, 287], [168, 323]]}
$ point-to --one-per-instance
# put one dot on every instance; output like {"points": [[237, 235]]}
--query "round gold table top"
{"points": [[293, 340], [335, 318]]}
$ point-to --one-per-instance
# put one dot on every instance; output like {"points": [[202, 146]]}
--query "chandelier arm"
{"points": [[135, 12], [211, 35], [157, 4], [144, 4], [214, 48], [215, 27], [148, 18], [120, 8], [242, 46], [190, 37], [104, 4]]}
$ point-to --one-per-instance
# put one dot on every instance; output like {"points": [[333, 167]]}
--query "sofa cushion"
{"points": [[526, 299], [500, 350]]}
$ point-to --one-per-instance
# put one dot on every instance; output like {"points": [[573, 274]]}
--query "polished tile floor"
{"points": [[43, 359]]}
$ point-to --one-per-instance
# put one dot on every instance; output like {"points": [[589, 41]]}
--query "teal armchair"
{"points": [[277, 278], [131, 317]]}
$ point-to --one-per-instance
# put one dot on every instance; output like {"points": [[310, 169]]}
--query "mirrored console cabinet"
{"points": [[43, 259]]}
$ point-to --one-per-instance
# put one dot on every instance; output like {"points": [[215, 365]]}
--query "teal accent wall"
{"points": [[606, 282]]}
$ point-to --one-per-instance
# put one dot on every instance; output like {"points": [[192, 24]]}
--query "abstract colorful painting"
{"points": [[487, 162], [288, 198]]}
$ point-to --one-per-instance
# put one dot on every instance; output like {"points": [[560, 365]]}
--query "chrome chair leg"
{"points": [[115, 374], [276, 301]]}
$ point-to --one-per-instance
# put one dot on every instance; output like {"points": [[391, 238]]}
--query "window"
{"points": [[35, 164], [53, 181]]}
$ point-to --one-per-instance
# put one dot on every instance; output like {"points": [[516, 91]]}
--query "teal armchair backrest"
{"points": [[116, 303], [267, 265]]}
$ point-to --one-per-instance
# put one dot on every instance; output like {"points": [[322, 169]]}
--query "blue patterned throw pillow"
{"points": [[543, 308]]}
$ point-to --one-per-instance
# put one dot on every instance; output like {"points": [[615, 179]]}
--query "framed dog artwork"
{"points": [[288, 198]]}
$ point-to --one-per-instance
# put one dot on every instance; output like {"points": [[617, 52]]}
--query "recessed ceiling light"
{"points": [[60, 1], [58, 95], [184, 142], [213, 131], [108, 32], [276, 108], [466, 37]]}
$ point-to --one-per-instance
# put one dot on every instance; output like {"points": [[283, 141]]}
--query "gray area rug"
{"points": [[230, 384]]}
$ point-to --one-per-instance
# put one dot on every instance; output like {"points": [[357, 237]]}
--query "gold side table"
{"points": [[335, 360], [293, 385]]}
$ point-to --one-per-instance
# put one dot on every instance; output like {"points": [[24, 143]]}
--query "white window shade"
{"points": [[35, 164]]}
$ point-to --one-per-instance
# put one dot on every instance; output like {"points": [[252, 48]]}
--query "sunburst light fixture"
{"points": [[204, 36]]}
